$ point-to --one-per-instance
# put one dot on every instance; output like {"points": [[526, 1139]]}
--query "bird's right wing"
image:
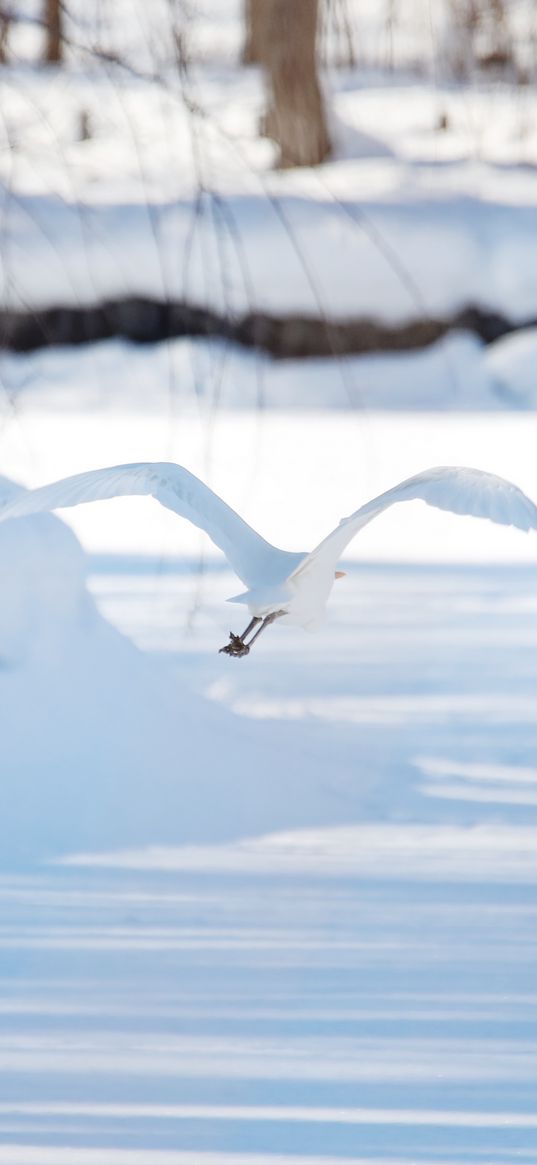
{"points": [[453, 488], [253, 559]]}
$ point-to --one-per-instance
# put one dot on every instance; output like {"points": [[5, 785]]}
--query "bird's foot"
{"points": [[236, 646]]}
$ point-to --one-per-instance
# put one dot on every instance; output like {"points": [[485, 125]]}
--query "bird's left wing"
{"points": [[453, 488], [253, 559]]}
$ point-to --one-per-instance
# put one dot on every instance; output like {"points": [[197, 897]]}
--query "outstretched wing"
{"points": [[252, 559], [459, 490]]}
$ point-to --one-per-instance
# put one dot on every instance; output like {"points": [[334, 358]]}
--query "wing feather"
{"points": [[453, 488], [253, 559]]}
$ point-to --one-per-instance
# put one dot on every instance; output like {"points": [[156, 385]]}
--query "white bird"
{"points": [[280, 584]]}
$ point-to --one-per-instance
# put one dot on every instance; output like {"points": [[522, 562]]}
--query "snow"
{"points": [[290, 909], [277, 911], [405, 221], [197, 377], [297, 474], [313, 251], [248, 1018], [432, 853]]}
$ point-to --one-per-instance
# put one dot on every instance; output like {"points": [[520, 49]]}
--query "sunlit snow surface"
{"points": [[177, 1019], [362, 992]]}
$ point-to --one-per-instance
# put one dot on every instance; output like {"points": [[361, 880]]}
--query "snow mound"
{"points": [[42, 583], [101, 747]]}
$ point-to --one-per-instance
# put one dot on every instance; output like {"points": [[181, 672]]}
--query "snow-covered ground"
{"points": [[231, 1019], [296, 924], [294, 919], [361, 993], [200, 378]]}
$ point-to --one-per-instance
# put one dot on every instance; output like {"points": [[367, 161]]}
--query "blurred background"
{"points": [[218, 214]]}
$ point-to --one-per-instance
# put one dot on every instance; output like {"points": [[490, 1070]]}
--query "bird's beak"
{"points": [[340, 574]]}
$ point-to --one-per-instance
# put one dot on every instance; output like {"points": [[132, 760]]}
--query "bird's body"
{"points": [[301, 598], [291, 587]]}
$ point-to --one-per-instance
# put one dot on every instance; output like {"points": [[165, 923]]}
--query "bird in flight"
{"points": [[291, 587]]}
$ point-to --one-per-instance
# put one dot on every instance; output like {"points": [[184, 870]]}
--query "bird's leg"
{"points": [[236, 645], [253, 623], [266, 623]]}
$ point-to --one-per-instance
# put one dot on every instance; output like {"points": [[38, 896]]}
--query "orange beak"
{"points": [[340, 574]]}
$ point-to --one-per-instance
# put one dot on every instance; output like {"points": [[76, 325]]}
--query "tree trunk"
{"points": [[295, 118], [253, 19], [5, 21], [53, 23]]}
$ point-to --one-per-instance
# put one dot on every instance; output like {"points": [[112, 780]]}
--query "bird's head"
{"points": [[340, 574]]}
